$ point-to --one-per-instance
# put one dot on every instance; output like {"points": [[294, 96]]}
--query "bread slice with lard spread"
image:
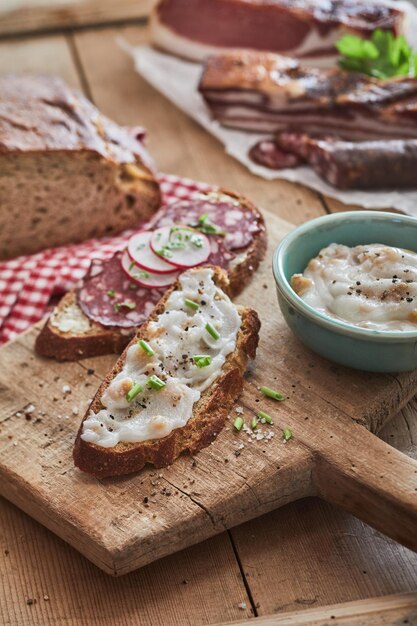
{"points": [[173, 386]]}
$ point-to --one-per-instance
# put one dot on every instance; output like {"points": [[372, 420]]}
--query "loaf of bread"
{"points": [[67, 173]]}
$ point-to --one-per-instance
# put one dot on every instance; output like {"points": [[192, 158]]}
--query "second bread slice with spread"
{"points": [[173, 386]]}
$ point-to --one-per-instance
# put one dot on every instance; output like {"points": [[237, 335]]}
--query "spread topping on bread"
{"points": [[372, 286], [164, 375]]}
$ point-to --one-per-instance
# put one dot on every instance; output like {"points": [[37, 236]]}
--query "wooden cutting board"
{"points": [[122, 524]]}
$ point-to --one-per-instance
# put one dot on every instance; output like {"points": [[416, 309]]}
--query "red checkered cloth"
{"points": [[28, 282]]}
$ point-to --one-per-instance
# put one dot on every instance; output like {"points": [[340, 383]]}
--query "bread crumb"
{"points": [[242, 606], [66, 389], [75, 410]]}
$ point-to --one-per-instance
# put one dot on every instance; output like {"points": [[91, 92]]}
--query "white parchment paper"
{"points": [[178, 79]]}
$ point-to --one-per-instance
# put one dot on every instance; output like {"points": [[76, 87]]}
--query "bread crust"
{"points": [[64, 347], [58, 152], [209, 414]]}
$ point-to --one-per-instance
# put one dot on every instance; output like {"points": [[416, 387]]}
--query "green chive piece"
{"points": [[131, 266], [238, 423], [287, 434], [271, 393], [141, 274], [193, 305], [264, 416], [203, 218], [146, 347], [136, 389], [212, 331], [155, 383], [125, 303], [111, 293], [202, 360], [254, 423], [116, 307]]}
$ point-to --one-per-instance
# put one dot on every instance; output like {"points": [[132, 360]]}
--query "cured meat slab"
{"points": [[268, 93], [120, 526], [304, 28]]}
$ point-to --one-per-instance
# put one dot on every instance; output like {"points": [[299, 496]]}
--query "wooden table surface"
{"points": [[304, 556]]}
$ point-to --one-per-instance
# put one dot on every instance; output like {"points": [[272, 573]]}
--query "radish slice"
{"points": [[141, 253], [181, 246], [143, 277]]}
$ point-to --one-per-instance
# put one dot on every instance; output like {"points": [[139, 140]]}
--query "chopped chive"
{"points": [[203, 218], [264, 416], [287, 434], [163, 253], [146, 347], [140, 246], [238, 423], [136, 389], [193, 305], [111, 293], [196, 241], [254, 423], [131, 266], [125, 303], [271, 393], [212, 331], [155, 383], [141, 274], [133, 286], [202, 360], [116, 307]]}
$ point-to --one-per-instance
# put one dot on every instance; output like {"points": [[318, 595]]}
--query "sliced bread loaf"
{"points": [[163, 397], [67, 173]]}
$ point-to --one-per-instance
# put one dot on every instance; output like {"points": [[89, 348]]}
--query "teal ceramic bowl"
{"points": [[360, 348]]}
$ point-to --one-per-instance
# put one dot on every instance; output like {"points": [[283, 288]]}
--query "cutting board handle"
{"points": [[372, 480]]}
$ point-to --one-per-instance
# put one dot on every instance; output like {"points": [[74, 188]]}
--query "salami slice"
{"points": [[238, 222], [108, 296]]}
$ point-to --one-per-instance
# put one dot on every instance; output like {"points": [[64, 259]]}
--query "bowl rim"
{"points": [[334, 324]]}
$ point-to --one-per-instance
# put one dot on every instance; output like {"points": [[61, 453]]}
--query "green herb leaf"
{"points": [[383, 56], [111, 293], [202, 360], [190, 303], [287, 434], [212, 331], [238, 423], [146, 347], [155, 383], [271, 393], [264, 416], [136, 389]]}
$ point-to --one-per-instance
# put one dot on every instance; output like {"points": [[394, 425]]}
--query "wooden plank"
{"points": [[219, 492], [43, 55], [178, 144], [310, 554], [388, 611], [200, 585], [30, 17]]}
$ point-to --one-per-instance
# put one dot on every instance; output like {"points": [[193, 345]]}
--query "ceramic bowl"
{"points": [[360, 348]]}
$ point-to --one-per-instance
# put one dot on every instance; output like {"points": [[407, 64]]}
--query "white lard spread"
{"points": [[372, 286], [175, 336], [70, 319]]}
